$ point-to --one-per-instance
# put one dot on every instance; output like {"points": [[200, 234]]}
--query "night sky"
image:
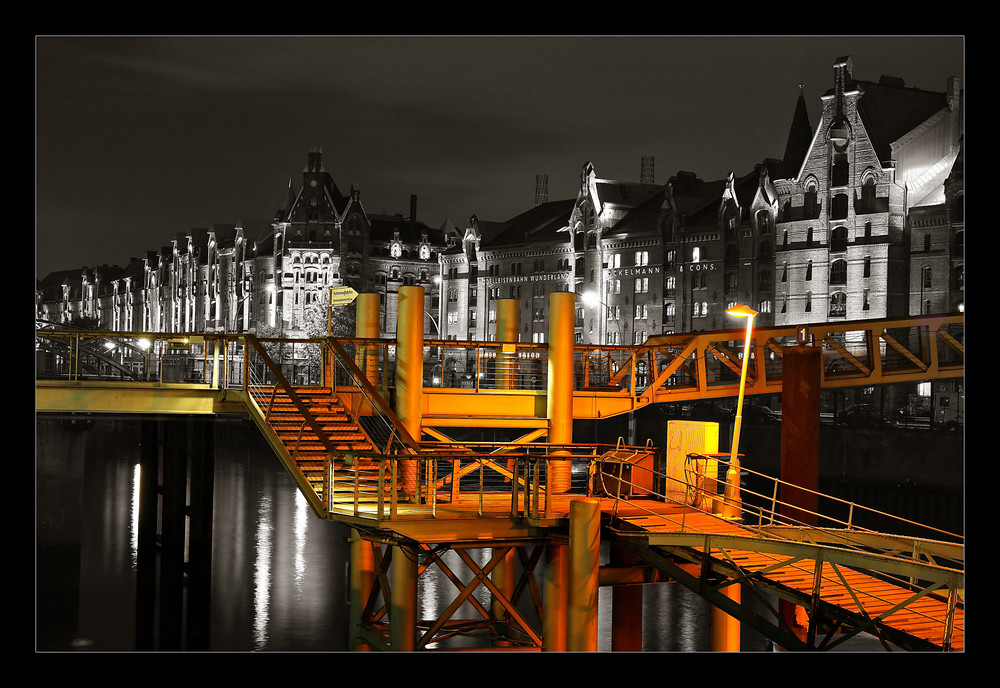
{"points": [[141, 138]]}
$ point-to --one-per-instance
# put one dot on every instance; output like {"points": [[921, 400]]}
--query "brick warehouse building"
{"points": [[221, 280], [862, 218]]}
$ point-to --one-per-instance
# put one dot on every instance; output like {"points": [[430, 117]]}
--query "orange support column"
{"points": [[503, 576], [508, 312], [367, 327], [626, 607], [555, 598], [585, 564], [559, 400], [362, 579], [403, 607], [410, 373], [800, 403], [724, 630]]}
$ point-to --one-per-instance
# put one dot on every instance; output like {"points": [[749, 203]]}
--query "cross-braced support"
{"points": [[390, 619]]}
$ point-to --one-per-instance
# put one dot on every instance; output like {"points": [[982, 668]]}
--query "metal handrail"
{"points": [[700, 486]]}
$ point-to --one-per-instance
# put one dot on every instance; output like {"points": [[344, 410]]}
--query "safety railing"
{"points": [[925, 565], [664, 368], [710, 485], [476, 477], [147, 357], [355, 368]]}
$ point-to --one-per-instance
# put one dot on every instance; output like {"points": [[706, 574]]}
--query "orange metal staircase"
{"points": [[314, 431]]}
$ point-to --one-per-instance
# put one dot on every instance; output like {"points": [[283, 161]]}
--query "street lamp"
{"points": [[591, 299], [732, 507]]}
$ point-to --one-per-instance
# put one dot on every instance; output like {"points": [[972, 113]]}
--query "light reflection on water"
{"points": [[279, 573], [134, 511], [262, 572]]}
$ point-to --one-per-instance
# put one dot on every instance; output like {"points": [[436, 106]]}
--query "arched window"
{"points": [[838, 272], [811, 200], [764, 280], [764, 224], [838, 303], [868, 195], [838, 239]]}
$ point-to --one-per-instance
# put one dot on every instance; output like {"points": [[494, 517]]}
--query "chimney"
{"points": [[646, 175], [842, 74], [413, 209], [541, 189]]}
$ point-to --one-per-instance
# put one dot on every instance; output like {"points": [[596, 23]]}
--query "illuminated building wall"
{"points": [[221, 280], [880, 151]]}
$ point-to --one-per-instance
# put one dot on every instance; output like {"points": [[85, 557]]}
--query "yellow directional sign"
{"points": [[341, 296]]}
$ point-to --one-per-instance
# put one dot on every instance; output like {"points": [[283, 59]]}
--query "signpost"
{"points": [[342, 296], [339, 296]]}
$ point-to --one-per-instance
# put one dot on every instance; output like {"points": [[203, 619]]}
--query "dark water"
{"points": [[279, 574]]}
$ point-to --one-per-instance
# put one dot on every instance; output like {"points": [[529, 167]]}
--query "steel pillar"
{"points": [[508, 317], [585, 564], [800, 386], [410, 373], [724, 630], [403, 608], [367, 327], [361, 581], [626, 607], [559, 400], [800, 392], [503, 577], [555, 598]]}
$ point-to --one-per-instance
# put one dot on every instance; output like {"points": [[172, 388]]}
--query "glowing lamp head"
{"points": [[590, 298], [741, 311]]}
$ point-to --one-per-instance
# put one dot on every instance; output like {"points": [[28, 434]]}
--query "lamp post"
{"points": [[732, 507], [440, 285], [591, 299]]}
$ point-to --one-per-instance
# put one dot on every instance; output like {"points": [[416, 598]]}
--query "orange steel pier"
{"points": [[375, 435]]}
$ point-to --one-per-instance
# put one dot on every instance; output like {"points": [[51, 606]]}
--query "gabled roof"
{"points": [[890, 110], [384, 228], [645, 215], [626, 194], [694, 198], [540, 224]]}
